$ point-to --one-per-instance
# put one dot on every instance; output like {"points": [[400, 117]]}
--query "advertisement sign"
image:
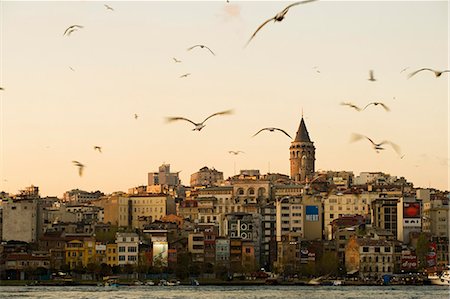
{"points": [[304, 256], [431, 256], [160, 254], [411, 210], [312, 213], [412, 222], [409, 262]]}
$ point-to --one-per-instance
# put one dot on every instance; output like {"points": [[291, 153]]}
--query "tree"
{"points": [[422, 249], [328, 264]]}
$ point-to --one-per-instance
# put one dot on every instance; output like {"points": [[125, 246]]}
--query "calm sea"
{"points": [[211, 292]]}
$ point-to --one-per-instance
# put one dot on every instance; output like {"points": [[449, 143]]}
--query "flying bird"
{"points": [[351, 106], [109, 7], [272, 130], [71, 29], [136, 116], [202, 46], [199, 126], [1, 88], [176, 60], [278, 17], [436, 73], [80, 167], [185, 75], [98, 148], [235, 152], [376, 146], [376, 104], [72, 69], [371, 77]]}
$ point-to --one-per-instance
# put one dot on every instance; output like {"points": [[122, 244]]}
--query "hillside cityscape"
{"points": [[306, 227]]}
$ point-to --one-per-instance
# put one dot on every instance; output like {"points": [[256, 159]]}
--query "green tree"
{"points": [[422, 249], [328, 264]]}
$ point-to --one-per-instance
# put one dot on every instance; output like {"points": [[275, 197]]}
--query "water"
{"points": [[212, 292]]}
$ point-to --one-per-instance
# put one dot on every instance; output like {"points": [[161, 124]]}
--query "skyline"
{"points": [[83, 90]]}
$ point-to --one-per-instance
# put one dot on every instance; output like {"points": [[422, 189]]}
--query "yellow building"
{"points": [[152, 206], [80, 252], [111, 255]]}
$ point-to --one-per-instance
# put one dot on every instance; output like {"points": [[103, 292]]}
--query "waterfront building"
{"points": [[206, 177], [223, 251], [371, 258], [346, 203], [79, 250], [409, 217], [384, 213], [127, 248], [153, 206], [112, 255], [20, 220]]}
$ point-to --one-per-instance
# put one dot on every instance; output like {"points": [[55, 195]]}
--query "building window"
{"points": [[121, 258], [387, 249], [365, 249], [132, 249], [132, 258], [121, 248], [377, 249]]}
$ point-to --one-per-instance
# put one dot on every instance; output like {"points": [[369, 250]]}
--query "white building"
{"points": [[20, 220], [127, 248]]}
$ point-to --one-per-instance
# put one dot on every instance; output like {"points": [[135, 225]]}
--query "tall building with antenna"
{"points": [[302, 155]]}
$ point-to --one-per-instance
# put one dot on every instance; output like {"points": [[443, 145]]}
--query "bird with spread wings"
{"points": [[201, 46], [80, 167], [278, 17], [376, 104], [436, 72], [71, 29], [201, 125], [376, 146], [272, 129]]}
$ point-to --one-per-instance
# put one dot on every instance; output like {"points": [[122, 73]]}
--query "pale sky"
{"points": [[122, 62]]}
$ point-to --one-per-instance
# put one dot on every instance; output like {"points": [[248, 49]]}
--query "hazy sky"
{"points": [[122, 65]]}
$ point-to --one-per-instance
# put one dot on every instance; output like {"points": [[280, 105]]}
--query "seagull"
{"points": [[71, 29], [202, 46], [98, 148], [199, 126], [436, 73], [272, 130], [185, 75], [80, 167], [377, 146], [371, 77], [278, 17], [352, 106], [1, 88], [376, 104], [136, 116], [72, 69], [109, 7], [317, 69], [176, 60], [235, 152]]}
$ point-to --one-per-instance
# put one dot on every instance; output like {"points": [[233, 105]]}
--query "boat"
{"points": [[195, 282], [149, 283], [442, 279], [173, 282]]}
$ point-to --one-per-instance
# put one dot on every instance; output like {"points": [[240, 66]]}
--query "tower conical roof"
{"points": [[302, 133]]}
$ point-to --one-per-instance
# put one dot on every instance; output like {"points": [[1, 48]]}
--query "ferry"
{"points": [[443, 279]]}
